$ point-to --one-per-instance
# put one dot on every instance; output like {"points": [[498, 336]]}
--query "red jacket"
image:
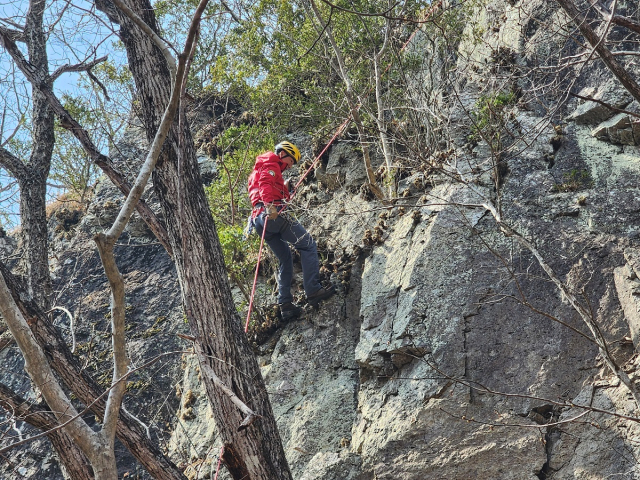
{"points": [[266, 184]]}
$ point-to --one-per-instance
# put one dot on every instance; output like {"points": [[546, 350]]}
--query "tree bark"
{"points": [[85, 387], [74, 462], [220, 342], [32, 174]]}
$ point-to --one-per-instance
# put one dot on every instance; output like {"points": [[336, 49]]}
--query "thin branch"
{"points": [[106, 241], [91, 404], [251, 416], [627, 22], [472, 384], [361, 14], [6, 339], [15, 131], [584, 313], [386, 15], [97, 81], [79, 67], [10, 21], [68, 122], [610, 107], [40, 372], [603, 52], [71, 326], [318, 37], [118, 341], [519, 425], [140, 422], [15, 35], [233, 15]]}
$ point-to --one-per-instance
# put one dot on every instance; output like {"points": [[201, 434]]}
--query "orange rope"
{"points": [[255, 277], [219, 462]]}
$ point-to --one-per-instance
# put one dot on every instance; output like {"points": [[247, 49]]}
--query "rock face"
{"points": [[448, 353]]}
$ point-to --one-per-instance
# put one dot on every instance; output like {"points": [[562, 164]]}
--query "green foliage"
{"points": [[574, 180], [489, 117], [214, 27], [282, 69]]}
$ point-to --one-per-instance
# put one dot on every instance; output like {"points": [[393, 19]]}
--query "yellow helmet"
{"points": [[290, 148]]}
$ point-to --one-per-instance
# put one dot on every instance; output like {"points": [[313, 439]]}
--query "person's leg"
{"points": [[281, 250], [285, 268], [296, 235]]}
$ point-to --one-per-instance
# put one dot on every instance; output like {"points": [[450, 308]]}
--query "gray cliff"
{"points": [[448, 353]]}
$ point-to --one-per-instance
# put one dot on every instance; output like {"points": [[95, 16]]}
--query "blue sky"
{"points": [[76, 36]]}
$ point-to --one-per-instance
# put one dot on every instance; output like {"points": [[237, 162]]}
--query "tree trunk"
{"points": [[74, 462], [85, 387], [33, 180], [34, 234], [257, 451]]}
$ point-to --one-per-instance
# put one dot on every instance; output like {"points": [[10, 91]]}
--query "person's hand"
{"points": [[272, 212], [288, 185]]}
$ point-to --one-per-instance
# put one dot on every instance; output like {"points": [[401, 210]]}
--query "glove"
{"points": [[272, 212], [289, 185]]}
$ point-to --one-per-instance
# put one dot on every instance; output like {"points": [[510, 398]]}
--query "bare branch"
{"points": [[71, 326], [251, 416], [361, 14], [603, 52], [81, 134], [627, 22], [90, 406], [74, 460], [354, 107], [15, 35], [228, 9], [97, 81], [472, 384], [6, 339], [118, 341], [79, 67], [584, 313], [385, 14], [106, 241], [85, 387], [13, 133], [40, 372], [12, 164], [605, 104]]}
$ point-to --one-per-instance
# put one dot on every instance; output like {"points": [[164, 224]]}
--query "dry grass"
{"points": [[64, 200]]}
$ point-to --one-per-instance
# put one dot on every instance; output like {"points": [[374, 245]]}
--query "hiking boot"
{"points": [[289, 311], [325, 292]]}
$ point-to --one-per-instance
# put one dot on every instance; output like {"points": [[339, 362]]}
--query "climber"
{"points": [[269, 193]]}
